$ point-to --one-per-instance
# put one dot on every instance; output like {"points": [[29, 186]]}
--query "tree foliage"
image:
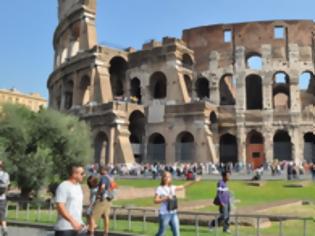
{"points": [[38, 147]]}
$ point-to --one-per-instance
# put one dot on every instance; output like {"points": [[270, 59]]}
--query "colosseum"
{"points": [[231, 92]]}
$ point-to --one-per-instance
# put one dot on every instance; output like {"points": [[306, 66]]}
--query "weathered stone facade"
{"points": [[222, 92]]}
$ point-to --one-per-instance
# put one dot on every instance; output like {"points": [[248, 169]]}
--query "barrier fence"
{"points": [[39, 212]]}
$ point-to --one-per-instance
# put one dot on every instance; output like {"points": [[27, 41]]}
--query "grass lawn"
{"points": [[246, 196]]}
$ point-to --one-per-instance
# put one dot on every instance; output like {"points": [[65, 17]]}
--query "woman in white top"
{"points": [[168, 213]]}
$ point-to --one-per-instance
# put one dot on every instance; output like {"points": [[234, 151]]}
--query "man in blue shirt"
{"points": [[223, 201]]}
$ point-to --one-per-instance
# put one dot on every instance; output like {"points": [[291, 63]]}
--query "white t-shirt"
{"points": [[72, 196], [163, 191], [6, 179]]}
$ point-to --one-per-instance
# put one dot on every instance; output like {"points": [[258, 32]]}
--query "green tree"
{"points": [[38, 147]]}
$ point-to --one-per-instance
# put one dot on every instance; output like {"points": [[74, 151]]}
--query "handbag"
{"points": [[172, 204]]}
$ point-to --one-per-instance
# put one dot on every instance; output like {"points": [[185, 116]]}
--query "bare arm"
{"points": [[158, 199], [65, 214], [187, 184]]}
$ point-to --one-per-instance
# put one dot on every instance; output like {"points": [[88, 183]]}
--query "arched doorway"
{"points": [[158, 85], [156, 148], [135, 89], [117, 71], [68, 94], [227, 90], [101, 148], [228, 149], [309, 147], [281, 91], [187, 61], [188, 84], [255, 149], [213, 122], [254, 98], [85, 90], [137, 132], [202, 88], [185, 147], [282, 147]]}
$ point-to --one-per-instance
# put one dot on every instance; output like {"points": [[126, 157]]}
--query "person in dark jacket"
{"points": [[224, 202]]}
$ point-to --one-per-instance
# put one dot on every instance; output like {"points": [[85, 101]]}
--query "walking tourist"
{"points": [[4, 185], [69, 203], [105, 195], [222, 200], [165, 195]]}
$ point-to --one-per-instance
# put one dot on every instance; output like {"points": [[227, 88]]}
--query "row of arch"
{"points": [[158, 86], [228, 149], [255, 149]]}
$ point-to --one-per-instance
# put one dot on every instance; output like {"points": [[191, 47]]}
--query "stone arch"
{"points": [[84, 90], [135, 89], [101, 148], [187, 61], [117, 71], [158, 85], [281, 91], [254, 61], [227, 90], [202, 88], [282, 147], [68, 94], [254, 97], [309, 147], [188, 84], [228, 148], [185, 147], [137, 132], [156, 148], [255, 150], [306, 81], [307, 88]]}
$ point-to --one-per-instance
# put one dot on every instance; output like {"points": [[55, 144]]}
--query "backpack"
{"points": [[109, 192], [3, 183]]}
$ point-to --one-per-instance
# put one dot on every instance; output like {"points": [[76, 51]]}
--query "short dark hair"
{"points": [[225, 173], [72, 166]]}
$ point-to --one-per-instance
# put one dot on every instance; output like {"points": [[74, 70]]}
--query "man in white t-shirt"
{"points": [[69, 203]]}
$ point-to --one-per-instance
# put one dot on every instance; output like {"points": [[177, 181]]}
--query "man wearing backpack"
{"points": [[4, 184], [103, 202]]}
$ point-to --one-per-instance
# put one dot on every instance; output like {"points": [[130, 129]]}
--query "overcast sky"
{"points": [[27, 27]]}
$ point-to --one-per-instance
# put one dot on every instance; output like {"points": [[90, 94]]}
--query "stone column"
{"points": [[268, 145], [241, 144], [214, 90], [111, 144], [297, 145]]}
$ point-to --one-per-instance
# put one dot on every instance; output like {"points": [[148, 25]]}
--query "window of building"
{"points": [[227, 36], [279, 32]]}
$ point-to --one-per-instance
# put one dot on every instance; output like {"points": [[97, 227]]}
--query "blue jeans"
{"points": [[170, 219]]}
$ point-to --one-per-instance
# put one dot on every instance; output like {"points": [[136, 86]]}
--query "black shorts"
{"points": [[3, 210], [66, 233]]}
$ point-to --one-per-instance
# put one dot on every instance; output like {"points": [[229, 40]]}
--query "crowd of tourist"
{"points": [[292, 170]]}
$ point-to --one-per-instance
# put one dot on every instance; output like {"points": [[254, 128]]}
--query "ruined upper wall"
{"points": [[67, 7], [251, 36]]}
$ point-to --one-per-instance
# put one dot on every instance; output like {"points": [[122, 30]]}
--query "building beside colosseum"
{"points": [[32, 101], [233, 92]]}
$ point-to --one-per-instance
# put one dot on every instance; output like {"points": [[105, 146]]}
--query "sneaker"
{"points": [[227, 231]]}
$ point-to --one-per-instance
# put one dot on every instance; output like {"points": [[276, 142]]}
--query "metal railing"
{"points": [[41, 212]]}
